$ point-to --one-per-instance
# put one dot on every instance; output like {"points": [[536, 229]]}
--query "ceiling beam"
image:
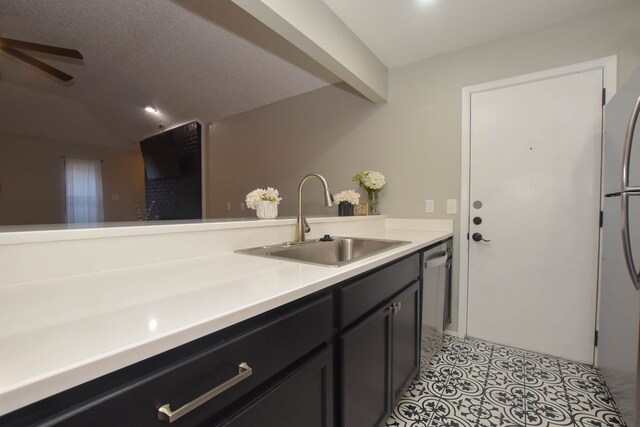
{"points": [[315, 29]]}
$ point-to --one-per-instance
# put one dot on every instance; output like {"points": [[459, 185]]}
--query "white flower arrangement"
{"points": [[269, 195], [370, 180], [350, 196]]}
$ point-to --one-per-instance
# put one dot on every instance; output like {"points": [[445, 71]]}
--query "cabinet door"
{"points": [[366, 377], [304, 398], [405, 335]]}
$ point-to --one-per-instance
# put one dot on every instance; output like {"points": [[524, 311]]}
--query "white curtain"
{"points": [[84, 191]]}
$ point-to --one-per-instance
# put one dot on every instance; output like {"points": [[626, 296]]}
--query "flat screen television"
{"points": [[160, 157]]}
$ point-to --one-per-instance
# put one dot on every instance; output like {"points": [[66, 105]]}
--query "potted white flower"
{"points": [[372, 182], [346, 201], [264, 202]]}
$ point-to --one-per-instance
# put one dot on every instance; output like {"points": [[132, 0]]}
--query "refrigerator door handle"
{"points": [[626, 240], [628, 144]]}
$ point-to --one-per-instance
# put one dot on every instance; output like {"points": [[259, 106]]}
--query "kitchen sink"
{"points": [[336, 252]]}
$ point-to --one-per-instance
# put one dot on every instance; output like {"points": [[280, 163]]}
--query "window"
{"points": [[84, 191]]}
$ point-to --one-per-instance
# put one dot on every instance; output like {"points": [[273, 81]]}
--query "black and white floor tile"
{"points": [[471, 383]]}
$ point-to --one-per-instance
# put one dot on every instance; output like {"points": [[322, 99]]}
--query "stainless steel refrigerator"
{"points": [[619, 326]]}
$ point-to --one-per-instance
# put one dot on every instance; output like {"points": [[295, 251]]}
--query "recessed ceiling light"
{"points": [[150, 109]]}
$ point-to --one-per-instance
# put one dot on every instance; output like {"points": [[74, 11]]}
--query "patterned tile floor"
{"points": [[471, 383]]}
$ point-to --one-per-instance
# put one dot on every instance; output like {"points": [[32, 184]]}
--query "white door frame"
{"points": [[609, 67]]}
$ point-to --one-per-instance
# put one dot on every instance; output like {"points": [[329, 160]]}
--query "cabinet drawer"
{"points": [[267, 350], [303, 398], [359, 297]]}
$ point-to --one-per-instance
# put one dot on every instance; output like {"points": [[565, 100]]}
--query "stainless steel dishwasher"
{"points": [[436, 296]]}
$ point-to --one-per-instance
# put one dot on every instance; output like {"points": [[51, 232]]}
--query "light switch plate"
{"points": [[428, 206], [452, 206]]}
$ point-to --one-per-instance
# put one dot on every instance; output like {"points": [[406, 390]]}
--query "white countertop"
{"points": [[60, 332]]}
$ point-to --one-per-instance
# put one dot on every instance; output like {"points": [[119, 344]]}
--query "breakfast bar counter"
{"points": [[56, 333]]}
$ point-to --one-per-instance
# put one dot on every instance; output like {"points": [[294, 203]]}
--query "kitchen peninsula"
{"points": [[81, 304]]}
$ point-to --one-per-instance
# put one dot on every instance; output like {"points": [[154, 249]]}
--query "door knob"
{"points": [[477, 237]]}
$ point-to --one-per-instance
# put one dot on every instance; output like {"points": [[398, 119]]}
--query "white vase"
{"points": [[267, 210]]}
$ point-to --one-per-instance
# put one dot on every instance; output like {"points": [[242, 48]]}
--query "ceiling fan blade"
{"points": [[54, 50], [38, 64]]}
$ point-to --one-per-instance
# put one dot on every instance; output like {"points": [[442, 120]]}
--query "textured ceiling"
{"points": [[404, 31], [192, 59]]}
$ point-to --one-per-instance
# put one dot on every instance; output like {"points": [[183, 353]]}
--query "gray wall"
{"points": [[414, 139], [32, 186]]}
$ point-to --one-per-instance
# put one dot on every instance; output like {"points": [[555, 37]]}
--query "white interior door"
{"points": [[535, 170]]}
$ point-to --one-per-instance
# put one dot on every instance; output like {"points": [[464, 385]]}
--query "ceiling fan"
{"points": [[11, 47]]}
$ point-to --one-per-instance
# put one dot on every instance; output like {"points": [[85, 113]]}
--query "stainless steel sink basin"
{"points": [[335, 253]]}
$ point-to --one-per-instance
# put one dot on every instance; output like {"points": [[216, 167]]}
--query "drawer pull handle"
{"points": [[394, 308], [166, 414]]}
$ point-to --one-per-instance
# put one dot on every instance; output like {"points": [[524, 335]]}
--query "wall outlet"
{"points": [[242, 206], [452, 206], [115, 197], [228, 206], [428, 206]]}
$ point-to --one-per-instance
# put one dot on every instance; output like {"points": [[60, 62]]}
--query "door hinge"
{"points": [[467, 236], [595, 339], [601, 219], [604, 96]]}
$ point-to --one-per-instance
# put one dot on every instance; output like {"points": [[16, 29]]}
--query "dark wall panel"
{"points": [[179, 197]]}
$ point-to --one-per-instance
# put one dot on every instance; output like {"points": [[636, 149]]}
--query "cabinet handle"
{"points": [[394, 308], [166, 414]]}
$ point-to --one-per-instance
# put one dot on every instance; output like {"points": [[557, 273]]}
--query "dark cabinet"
{"points": [[304, 398], [405, 335], [380, 356], [366, 356], [360, 296]]}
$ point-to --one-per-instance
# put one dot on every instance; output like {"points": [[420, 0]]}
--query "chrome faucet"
{"points": [[302, 226]]}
